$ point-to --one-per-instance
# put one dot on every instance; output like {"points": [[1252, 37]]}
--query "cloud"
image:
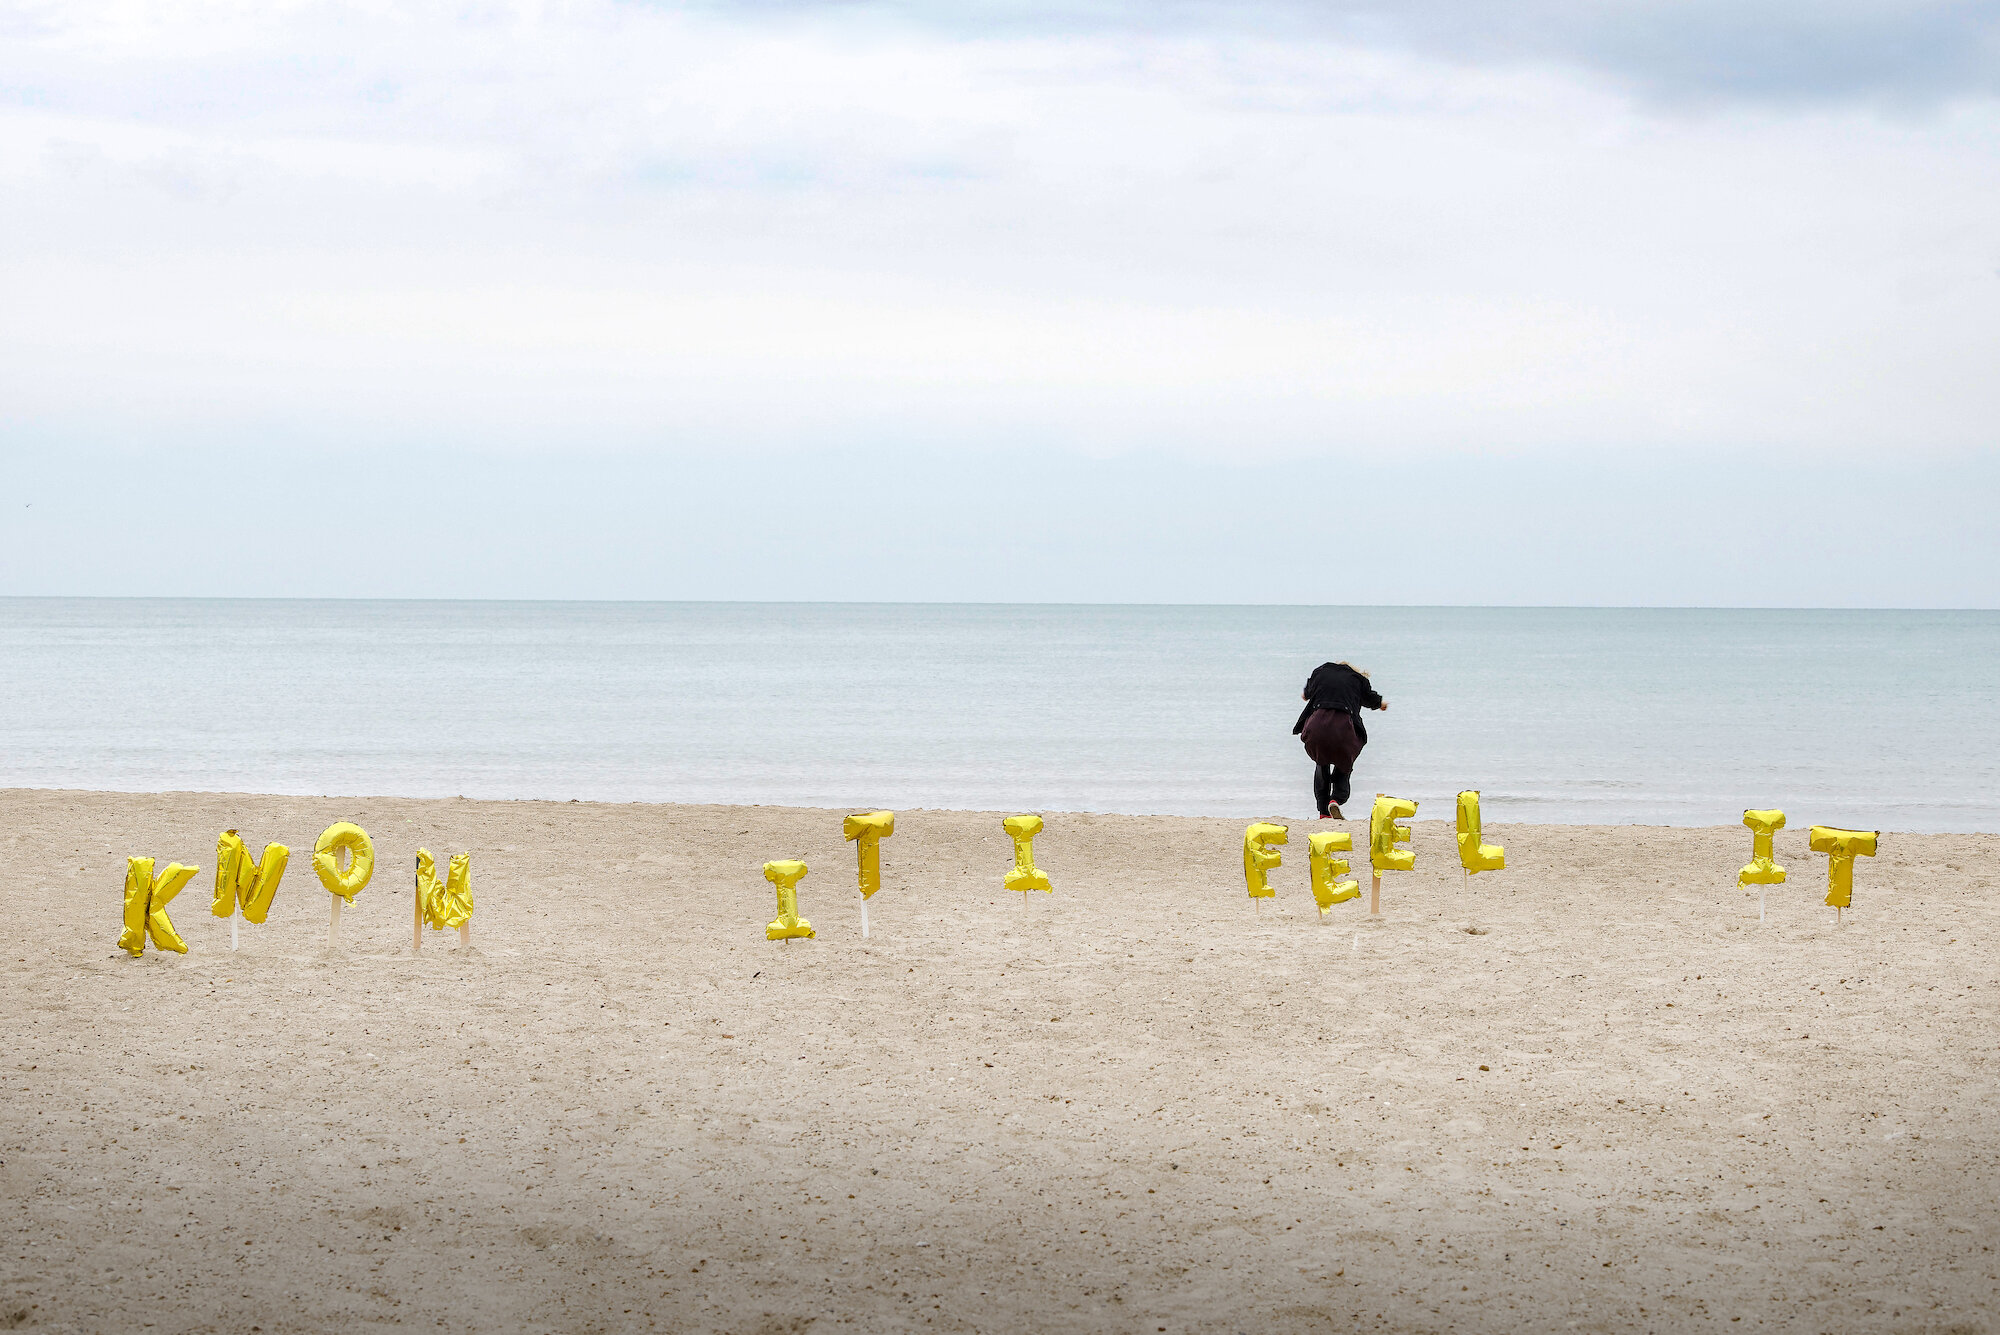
{"points": [[1908, 52]]}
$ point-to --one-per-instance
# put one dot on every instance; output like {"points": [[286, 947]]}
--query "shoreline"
{"points": [[1588, 1088]]}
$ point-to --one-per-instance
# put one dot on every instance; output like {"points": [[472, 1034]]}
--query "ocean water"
{"points": [[1880, 720]]}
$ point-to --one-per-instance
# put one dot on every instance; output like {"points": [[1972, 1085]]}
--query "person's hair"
{"points": [[1351, 668]]}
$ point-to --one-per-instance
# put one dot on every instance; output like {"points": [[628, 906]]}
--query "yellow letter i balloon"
{"points": [[1763, 868], [1383, 836], [1026, 875], [1842, 847], [146, 900], [1327, 889], [1259, 857], [245, 883], [343, 884], [788, 924], [1474, 856], [869, 829]]}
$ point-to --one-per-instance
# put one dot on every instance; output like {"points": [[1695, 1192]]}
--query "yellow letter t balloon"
{"points": [[1842, 847], [870, 829]]}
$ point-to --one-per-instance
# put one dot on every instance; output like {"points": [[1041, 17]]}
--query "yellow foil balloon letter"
{"points": [[1259, 857], [871, 829], [1472, 855], [361, 859], [446, 903], [1328, 890], [1763, 868], [1384, 834], [241, 880], [1842, 846], [146, 900], [788, 923], [1026, 875]]}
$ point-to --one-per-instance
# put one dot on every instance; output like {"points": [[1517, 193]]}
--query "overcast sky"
{"points": [[1434, 301]]}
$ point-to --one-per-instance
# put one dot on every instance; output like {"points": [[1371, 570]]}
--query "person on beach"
{"points": [[1330, 726]]}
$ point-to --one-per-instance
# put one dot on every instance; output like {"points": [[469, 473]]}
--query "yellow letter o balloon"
{"points": [[360, 852]]}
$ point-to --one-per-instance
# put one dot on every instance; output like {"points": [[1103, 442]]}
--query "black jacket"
{"points": [[1339, 687]]}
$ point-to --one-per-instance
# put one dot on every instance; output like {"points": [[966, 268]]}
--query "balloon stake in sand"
{"points": [[1327, 888], [1026, 875], [788, 924], [1259, 857], [1383, 836], [444, 903], [146, 900], [1842, 847], [245, 883], [1763, 869], [342, 883], [1474, 856], [869, 829]]}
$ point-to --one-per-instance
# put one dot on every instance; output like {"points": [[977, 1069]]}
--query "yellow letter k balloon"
{"points": [[785, 875], [146, 900]]}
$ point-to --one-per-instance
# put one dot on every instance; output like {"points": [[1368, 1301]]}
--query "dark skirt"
{"points": [[1330, 739]]}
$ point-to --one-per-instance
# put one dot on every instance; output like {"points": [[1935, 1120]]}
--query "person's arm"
{"points": [[1370, 700]]}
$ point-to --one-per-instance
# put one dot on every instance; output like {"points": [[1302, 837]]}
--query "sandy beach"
{"points": [[1591, 1092]]}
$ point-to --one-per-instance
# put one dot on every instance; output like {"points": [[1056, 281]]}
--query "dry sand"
{"points": [[1590, 1092]]}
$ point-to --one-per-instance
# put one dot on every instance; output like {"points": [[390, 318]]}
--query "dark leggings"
{"points": [[1330, 786]]}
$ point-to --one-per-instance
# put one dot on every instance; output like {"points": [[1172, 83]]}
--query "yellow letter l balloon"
{"points": [[1026, 875], [1474, 856], [871, 829], [1842, 846], [1327, 890], [1762, 868], [1259, 857], [361, 854], [146, 900], [785, 875]]}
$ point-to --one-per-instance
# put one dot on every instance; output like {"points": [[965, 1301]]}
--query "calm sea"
{"points": [[1886, 720]]}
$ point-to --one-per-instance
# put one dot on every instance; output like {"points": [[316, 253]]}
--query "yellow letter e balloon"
{"points": [[1327, 888]]}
